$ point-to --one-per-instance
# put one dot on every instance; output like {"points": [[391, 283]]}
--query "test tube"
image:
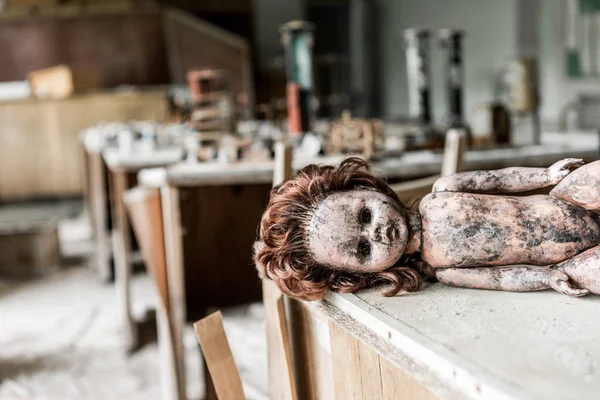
{"points": [[297, 40], [416, 42], [451, 40]]}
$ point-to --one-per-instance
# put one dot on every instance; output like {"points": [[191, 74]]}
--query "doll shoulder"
{"points": [[438, 200]]}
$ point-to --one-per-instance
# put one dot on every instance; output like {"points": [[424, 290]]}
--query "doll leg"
{"points": [[584, 269], [581, 187], [509, 279]]}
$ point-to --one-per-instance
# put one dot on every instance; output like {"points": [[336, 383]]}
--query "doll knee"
{"points": [[581, 187]]}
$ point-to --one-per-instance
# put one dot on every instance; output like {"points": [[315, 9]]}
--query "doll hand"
{"points": [[559, 281], [559, 170]]}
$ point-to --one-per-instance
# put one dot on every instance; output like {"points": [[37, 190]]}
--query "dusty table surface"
{"points": [[488, 344], [410, 165], [137, 159]]}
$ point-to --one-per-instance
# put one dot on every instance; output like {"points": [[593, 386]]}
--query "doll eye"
{"points": [[364, 249], [365, 216]]}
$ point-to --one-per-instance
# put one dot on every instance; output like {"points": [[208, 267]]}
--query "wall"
{"points": [[491, 27], [557, 88], [127, 48], [269, 15], [195, 44]]}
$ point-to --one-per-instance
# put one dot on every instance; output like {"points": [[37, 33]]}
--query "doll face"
{"points": [[358, 231]]}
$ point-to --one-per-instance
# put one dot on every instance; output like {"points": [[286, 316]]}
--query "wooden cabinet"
{"points": [[40, 155]]}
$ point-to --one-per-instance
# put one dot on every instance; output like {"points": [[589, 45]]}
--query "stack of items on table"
{"points": [[135, 135], [213, 108]]}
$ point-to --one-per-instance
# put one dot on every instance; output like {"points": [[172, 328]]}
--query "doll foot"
{"points": [[560, 283], [583, 270]]}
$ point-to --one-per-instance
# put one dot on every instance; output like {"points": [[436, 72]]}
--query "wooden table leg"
{"points": [[175, 277], [169, 374], [122, 255], [97, 192]]}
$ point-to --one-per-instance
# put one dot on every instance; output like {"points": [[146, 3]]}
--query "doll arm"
{"points": [[507, 180], [509, 279]]}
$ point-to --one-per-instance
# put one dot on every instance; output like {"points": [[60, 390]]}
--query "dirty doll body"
{"points": [[470, 231]]}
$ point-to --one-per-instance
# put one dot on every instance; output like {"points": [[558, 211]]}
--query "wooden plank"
{"points": [[359, 372], [288, 373], [275, 321], [170, 387], [218, 356], [122, 253], [278, 388], [217, 247], [396, 385], [370, 373], [345, 358], [312, 352]]}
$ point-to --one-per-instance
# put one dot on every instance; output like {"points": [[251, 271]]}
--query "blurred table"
{"points": [[122, 175], [411, 165], [210, 214]]}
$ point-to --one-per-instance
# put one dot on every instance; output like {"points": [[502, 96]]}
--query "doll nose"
{"points": [[375, 234]]}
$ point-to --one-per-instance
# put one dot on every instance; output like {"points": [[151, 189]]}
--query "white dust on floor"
{"points": [[60, 338]]}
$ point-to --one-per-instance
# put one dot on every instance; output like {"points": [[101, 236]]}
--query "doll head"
{"points": [[337, 228]]}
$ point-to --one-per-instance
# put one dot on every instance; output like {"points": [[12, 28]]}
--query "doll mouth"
{"points": [[392, 233]]}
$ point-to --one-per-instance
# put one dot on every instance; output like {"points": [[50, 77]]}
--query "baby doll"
{"points": [[344, 229]]}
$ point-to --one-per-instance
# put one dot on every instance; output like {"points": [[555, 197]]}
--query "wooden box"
{"points": [[61, 81], [29, 248]]}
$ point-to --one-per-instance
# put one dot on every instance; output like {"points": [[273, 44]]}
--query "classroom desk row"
{"points": [[207, 234]]}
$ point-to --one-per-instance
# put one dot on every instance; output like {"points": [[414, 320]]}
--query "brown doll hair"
{"points": [[282, 253]]}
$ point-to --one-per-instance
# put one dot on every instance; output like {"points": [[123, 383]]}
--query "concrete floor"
{"points": [[60, 336]]}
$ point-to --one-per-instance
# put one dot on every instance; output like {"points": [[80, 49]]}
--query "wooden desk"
{"points": [[209, 220], [122, 175], [448, 343]]}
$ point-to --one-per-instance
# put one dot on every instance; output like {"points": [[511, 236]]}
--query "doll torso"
{"points": [[466, 230]]}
